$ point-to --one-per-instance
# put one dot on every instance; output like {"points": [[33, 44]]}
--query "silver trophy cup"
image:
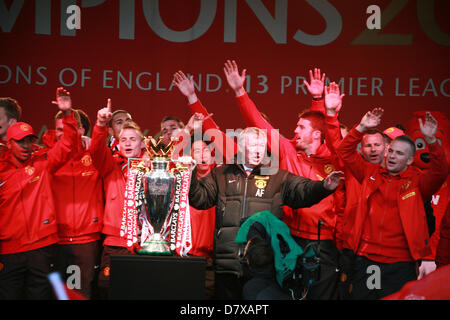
{"points": [[159, 189]]}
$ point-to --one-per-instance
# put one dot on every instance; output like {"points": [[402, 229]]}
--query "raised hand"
{"points": [[185, 85], [332, 181], [429, 127], [333, 99], [104, 115], [196, 121], [234, 79], [370, 120], [63, 100], [316, 83]]}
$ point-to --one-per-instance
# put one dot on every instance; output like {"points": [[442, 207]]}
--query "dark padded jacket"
{"points": [[237, 197]]}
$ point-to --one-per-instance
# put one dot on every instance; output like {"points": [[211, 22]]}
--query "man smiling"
{"points": [[390, 229]]}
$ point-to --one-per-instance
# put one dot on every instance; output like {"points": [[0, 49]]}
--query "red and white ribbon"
{"points": [[128, 227], [184, 236]]}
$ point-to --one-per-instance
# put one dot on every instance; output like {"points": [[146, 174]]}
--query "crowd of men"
{"points": [[61, 202]]}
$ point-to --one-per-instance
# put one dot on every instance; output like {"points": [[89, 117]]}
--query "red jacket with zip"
{"points": [[112, 168], [27, 212], [390, 223], [302, 222], [78, 192]]}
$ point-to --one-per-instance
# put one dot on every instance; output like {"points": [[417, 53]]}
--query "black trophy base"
{"points": [[143, 277]]}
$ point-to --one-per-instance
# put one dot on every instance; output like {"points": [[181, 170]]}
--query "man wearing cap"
{"points": [[28, 229]]}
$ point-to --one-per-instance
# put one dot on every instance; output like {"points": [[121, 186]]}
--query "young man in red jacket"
{"points": [[28, 227], [305, 155], [372, 150], [113, 169], [390, 231], [78, 193]]}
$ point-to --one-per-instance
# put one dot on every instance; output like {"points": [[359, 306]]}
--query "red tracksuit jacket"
{"points": [[78, 192], [390, 223], [27, 212], [302, 222], [113, 171]]}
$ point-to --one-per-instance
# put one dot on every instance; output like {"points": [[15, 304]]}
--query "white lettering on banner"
{"points": [[275, 24], [28, 75], [211, 82], [414, 88]]}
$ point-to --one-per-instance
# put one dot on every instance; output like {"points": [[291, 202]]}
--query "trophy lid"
{"points": [[158, 150]]}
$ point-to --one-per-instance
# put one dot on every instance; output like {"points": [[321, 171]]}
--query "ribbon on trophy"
{"points": [[184, 235], [128, 227], [175, 210]]}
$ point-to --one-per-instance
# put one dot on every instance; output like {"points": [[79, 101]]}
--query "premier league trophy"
{"points": [[158, 193]]}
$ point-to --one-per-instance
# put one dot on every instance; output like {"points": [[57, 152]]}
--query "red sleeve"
{"points": [[101, 155], [333, 137], [351, 159], [253, 118], [318, 105], [197, 107], [59, 154], [432, 179], [215, 134]]}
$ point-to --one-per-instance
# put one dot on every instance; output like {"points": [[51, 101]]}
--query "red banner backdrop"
{"points": [[128, 50]]}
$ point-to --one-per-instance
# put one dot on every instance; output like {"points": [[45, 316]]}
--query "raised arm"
{"points": [[186, 87], [59, 154], [101, 155], [347, 148], [202, 119], [250, 113], [333, 104], [316, 88], [432, 178]]}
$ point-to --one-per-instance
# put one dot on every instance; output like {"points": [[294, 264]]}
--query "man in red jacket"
{"points": [[113, 169], [372, 150], [305, 155], [78, 193], [390, 231], [28, 227]]}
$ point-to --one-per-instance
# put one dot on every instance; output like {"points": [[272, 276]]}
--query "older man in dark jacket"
{"points": [[238, 191]]}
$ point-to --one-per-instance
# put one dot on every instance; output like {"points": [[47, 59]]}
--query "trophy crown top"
{"points": [[158, 149]]}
